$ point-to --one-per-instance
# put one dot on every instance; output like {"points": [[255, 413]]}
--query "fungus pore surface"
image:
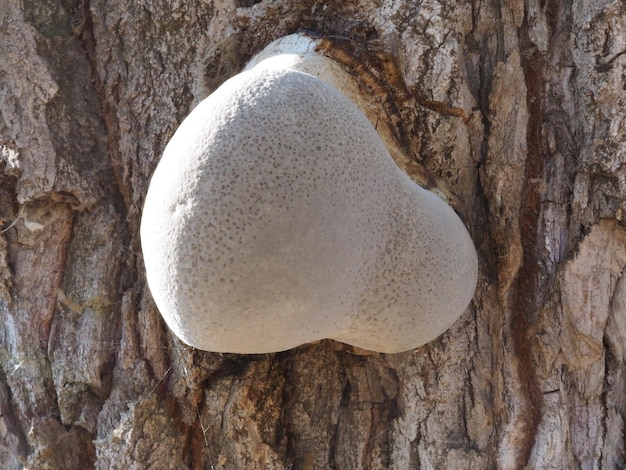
{"points": [[276, 217]]}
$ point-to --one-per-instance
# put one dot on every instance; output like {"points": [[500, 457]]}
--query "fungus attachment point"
{"points": [[277, 217]]}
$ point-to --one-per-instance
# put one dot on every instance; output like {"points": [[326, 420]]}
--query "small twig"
{"points": [[19, 216], [440, 107], [204, 430], [159, 382]]}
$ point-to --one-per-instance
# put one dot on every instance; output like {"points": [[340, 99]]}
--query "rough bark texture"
{"points": [[533, 375]]}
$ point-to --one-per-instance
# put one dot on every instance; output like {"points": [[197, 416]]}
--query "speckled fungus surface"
{"points": [[276, 217]]}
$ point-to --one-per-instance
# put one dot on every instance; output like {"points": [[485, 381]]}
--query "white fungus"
{"points": [[277, 217]]}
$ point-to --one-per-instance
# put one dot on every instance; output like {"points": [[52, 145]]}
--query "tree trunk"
{"points": [[533, 373]]}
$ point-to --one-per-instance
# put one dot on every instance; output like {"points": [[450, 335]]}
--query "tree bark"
{"points": [[533, 374]]}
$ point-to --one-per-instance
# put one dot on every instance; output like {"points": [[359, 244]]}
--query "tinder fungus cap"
{"points": [[276, 217]]}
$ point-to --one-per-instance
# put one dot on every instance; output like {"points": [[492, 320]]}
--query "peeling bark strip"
{"points": [[539, 163], [588, 286]]}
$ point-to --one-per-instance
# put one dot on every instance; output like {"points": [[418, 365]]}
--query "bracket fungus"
{"points": [[277, 217]]}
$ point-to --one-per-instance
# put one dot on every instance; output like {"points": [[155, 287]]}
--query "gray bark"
{"points": [[533, 375]]}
